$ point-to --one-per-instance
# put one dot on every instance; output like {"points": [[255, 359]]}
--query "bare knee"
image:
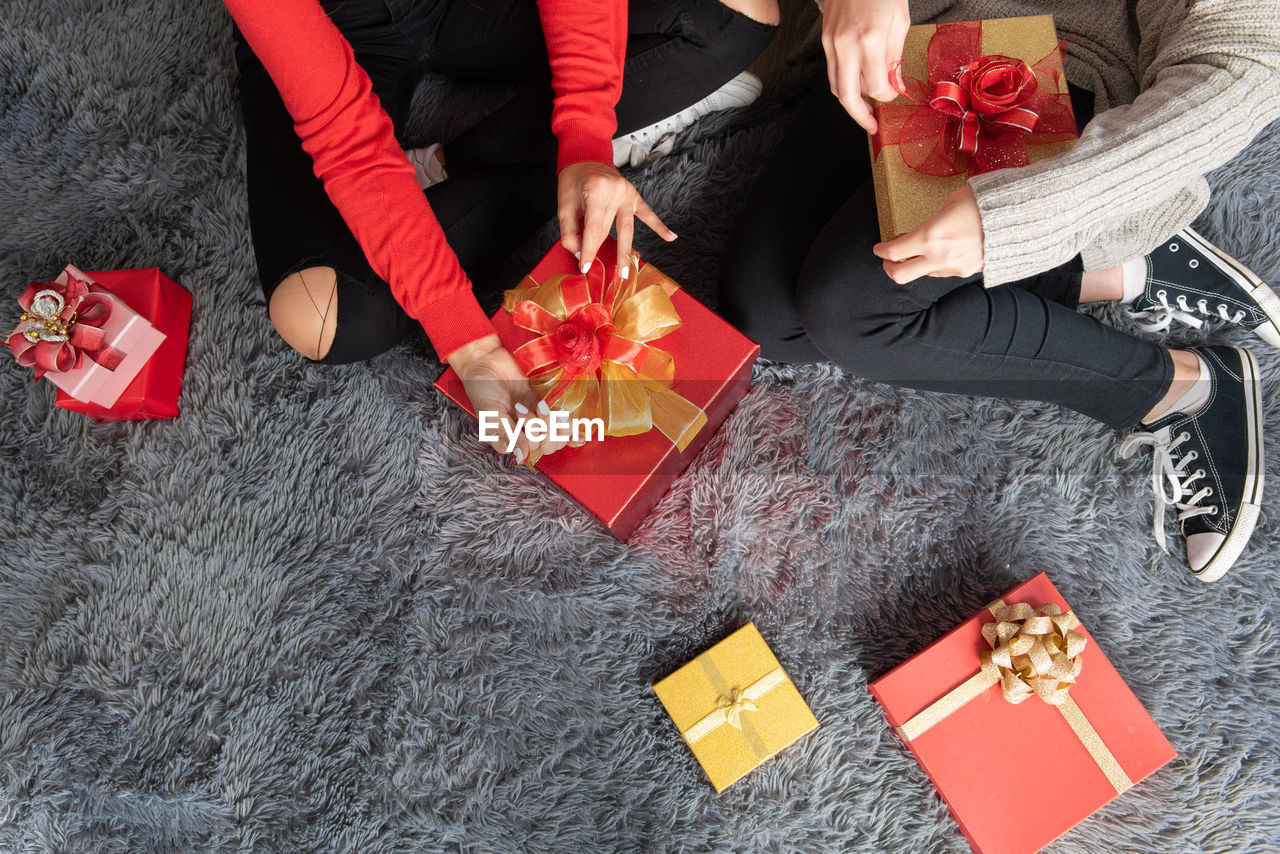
{"points": [[764, 11], [304, 310]]}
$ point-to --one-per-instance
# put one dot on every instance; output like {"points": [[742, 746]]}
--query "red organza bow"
{"points": [[61, 325], [976, 113], [591, 354]]}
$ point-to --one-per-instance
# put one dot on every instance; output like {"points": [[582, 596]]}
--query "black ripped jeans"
{"points": [[502, 178], [800, 278]]}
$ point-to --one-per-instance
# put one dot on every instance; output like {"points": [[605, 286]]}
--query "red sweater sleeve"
{"points": [[365, 172], [586, 44]]}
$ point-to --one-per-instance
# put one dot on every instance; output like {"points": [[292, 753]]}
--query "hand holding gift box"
{"points": [[979, 96], [1074, 719], [656, 367], [114, 345]]}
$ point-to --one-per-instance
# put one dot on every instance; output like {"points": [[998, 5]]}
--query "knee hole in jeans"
{"points": [[304, 310]]}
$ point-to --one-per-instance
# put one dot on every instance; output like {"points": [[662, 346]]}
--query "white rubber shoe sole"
{"points": [[656, 140]]}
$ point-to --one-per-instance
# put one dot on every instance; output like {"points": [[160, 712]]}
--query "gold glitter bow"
{"points": [[1034, 652], [729, 709], [734, 707]]}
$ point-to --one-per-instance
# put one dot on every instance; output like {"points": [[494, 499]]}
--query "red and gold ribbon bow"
{"points": [[975, 113], [61, 325], [1034, 652], [592, 356]]}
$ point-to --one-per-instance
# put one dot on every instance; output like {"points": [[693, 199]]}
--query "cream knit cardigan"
{"points": [[1181, 87]]}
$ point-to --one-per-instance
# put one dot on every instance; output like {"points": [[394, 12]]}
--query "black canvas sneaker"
{"points": [[1211, 464], [1189, 279]]}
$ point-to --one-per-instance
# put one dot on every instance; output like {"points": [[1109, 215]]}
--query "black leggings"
{"points": [[800, 278], [502, 178]]}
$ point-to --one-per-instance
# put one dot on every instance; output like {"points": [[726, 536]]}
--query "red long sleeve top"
{"points": [[365, 172]]}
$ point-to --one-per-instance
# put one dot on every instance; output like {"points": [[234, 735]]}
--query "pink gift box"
{"points": [[126, 331]]}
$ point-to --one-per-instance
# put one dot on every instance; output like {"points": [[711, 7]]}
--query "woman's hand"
{"points": [[863, 42], [495, 383], [947, 244], [593, 196]]}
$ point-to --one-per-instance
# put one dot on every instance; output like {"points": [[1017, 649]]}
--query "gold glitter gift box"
{"points": [[735, 706], [906, 196]]}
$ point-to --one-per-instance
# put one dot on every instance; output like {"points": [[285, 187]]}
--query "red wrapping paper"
{"points": [[620, 479], [154, 391], [976, 756]]}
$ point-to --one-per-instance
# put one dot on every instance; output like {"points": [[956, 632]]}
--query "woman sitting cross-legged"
{"points": [[982, 298], [353, 254]]}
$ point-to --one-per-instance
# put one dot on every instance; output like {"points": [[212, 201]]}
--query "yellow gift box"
{"points": [[735, 706]]}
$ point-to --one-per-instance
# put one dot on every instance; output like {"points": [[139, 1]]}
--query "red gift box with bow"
{"points": [[114, 342], [977, 96], [1021, 722], [656, 367]]}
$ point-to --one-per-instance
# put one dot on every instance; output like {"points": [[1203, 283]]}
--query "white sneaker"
{"points": [[428, 165], [658, 138]]}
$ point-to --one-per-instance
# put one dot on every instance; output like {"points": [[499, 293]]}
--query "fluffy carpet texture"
{"points": [[311, 615]]}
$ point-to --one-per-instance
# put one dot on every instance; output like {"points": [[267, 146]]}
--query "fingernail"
{"points": [[522, 409], [519, 455], [626, 272], [586, 267], [578, 255], [543, 409]]}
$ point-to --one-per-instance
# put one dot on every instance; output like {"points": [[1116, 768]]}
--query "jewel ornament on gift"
{"points": [[592, 356], [975, 113], [60, 326]]}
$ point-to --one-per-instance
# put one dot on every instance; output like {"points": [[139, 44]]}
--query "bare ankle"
{"points": [[1186, 370], [1102, 285]]}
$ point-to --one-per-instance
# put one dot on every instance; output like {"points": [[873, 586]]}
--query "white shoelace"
{"points": [[1170, 469], [1163, 315]]}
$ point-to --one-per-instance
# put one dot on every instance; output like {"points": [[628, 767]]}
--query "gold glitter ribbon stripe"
{"points": [[1093, 743], [732, 703], [989, 675], [950, 702]]}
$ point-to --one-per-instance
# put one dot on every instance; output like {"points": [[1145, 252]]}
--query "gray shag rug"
{"points": [[311, 615]]}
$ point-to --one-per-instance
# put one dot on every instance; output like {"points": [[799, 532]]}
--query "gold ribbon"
{"points": [[732, 704], [1033, 652], [629, 386]]}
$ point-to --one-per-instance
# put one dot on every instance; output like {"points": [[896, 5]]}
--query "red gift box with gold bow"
{"points": [[656, 367], [1021, 684], [977, 96], [113, 342]]}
